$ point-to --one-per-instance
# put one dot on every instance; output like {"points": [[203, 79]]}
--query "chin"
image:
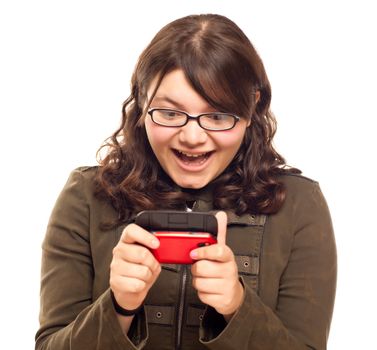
{"points": [[192, 186], [195, 185]]}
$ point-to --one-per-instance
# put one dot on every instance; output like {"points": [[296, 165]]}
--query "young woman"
{"points": [[196, 134]]}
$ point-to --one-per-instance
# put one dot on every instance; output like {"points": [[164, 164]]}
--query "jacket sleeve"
{"points": [[302, 317], [69, 318]]}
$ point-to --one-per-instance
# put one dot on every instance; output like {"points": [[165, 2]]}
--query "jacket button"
{"points": [[159, 314], [200, 317]]}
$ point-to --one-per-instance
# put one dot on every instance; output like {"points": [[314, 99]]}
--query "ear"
{"points": [[257, 96]]}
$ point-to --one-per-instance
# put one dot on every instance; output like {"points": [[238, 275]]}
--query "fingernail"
{"points": [[193, 254], [155, 243]]}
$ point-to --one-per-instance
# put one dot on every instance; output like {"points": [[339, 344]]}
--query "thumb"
{"points": [[222, 220]]}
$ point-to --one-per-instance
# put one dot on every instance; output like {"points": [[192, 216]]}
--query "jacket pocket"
{"points": [[157, 314], [194, 315], [248, 268], [247, 265]]}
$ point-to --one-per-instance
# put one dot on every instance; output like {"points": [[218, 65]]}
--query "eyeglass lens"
{"points": [[211, 121]]}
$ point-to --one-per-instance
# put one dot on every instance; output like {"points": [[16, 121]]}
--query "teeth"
{"points": [[192, 155]]}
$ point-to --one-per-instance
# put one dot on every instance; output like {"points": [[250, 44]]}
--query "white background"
{"points": [[65, 68]]}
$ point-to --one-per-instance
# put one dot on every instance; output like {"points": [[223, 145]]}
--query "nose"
{"points": [[192, 134]]}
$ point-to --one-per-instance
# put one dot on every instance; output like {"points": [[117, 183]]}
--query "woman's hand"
{"points": [[133, 269], [215, 274]]}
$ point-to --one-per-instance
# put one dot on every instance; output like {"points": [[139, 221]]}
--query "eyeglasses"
{"points": [[216, 121]]}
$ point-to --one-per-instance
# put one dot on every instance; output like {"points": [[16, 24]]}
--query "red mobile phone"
{"points": [[179, 232]]}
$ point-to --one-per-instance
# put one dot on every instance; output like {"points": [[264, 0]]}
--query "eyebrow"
{"points": [[169, 100]]}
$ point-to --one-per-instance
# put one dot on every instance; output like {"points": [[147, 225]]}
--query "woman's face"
{"points": [[190, 155]]}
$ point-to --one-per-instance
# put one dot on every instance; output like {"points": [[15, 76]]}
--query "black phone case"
{"points": [[167, 220]]}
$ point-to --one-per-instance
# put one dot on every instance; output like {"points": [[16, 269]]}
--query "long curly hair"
{"points": [[224, 68]]}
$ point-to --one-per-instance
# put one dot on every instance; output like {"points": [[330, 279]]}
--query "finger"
{"points": [[209, 285], [212, 269], [222, 220], [137, 254], [226, 303], [215, 252], [135, 234], [126, 269], [127, 284], [211, 299], [156, 273]]}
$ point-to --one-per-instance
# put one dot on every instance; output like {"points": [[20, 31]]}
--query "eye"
{"points": [[217, 121], [220, 118], [169, 114]]}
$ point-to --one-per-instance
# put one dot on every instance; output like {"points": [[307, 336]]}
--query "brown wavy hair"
{"points": [[224, 68]]}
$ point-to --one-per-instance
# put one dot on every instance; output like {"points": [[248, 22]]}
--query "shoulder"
{"points": [[86, 172], [303, 198], [84, 177], [294, 180], [80, 185], [82, 188], [298, 186]]}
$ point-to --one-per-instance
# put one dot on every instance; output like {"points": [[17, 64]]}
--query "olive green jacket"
{"points": [[286, 262]]}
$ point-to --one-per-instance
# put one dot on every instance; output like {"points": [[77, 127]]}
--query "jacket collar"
{"points": [[204, 202]]}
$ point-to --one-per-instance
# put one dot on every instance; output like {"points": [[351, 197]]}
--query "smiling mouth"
{"points": [[192, 159]]}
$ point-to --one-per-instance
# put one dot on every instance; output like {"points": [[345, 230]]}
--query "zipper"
{"points": [[181, 306], [182, 296]]}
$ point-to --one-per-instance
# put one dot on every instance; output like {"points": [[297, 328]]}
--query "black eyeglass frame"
{"points": [[195, 117]]}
